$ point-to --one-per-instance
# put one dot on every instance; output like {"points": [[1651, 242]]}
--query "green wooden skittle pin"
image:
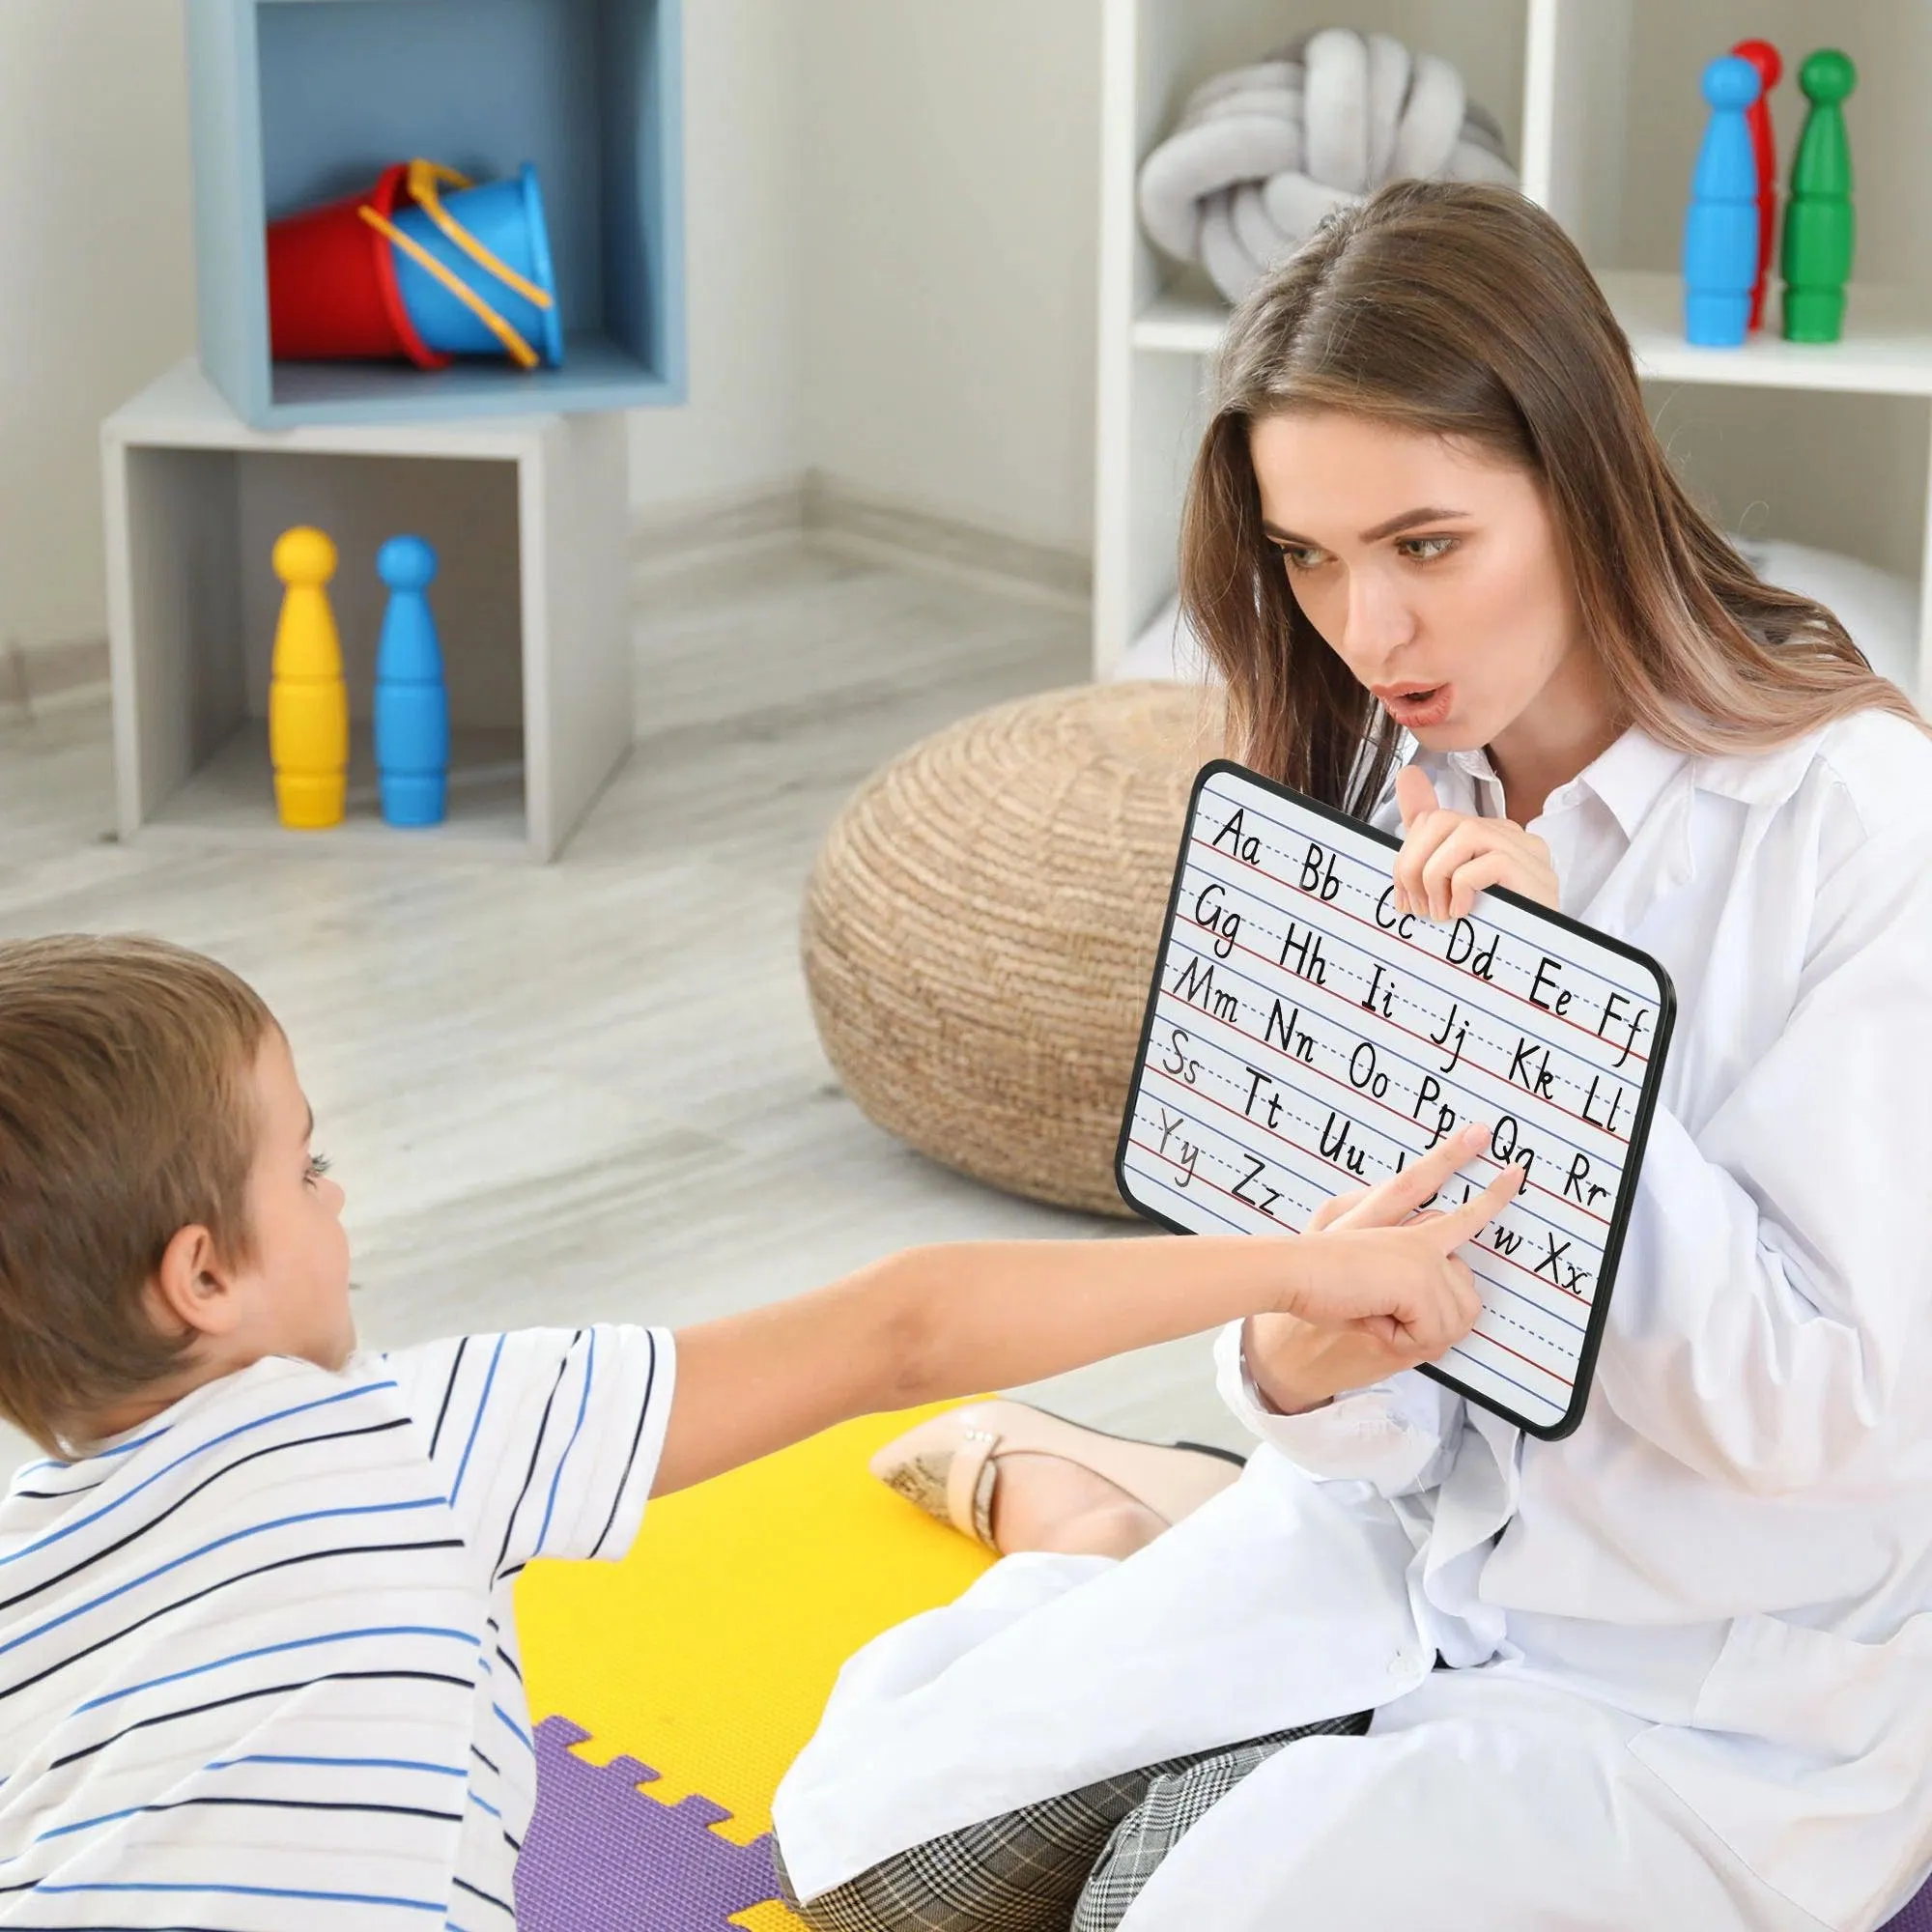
{"points": [[1818, 222]]}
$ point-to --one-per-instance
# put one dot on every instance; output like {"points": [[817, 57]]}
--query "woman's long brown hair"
{"points": [[1464, 311]]}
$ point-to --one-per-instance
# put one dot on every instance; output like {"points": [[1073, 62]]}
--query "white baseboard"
{"points": [[59, 674], [829, 513], [679, 535], [849, 516]]}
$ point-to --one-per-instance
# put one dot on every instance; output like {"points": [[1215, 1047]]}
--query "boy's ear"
{"points": [[191, 1289]]}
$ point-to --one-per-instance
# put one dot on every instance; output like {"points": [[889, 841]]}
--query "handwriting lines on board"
{"points": [[1302, 1041]]}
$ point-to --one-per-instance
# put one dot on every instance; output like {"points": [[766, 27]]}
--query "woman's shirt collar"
{"points": [[1628, 779]]}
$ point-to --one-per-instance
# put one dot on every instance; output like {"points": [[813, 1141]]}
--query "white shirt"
{"points": [[1739, 1534], [1733, 1551], [258, 1665]]}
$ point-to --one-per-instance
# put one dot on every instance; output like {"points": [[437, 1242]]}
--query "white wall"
{"points": [[97, 277], [743, 117], [951, 157]]}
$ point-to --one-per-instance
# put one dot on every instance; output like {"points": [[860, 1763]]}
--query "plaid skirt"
{"points": [[1072, 1863]]}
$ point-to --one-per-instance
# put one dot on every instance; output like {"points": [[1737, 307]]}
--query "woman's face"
{"points": [[1430, 569]]}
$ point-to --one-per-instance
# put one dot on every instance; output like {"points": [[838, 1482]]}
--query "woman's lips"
{"points": [[1416, 708]]}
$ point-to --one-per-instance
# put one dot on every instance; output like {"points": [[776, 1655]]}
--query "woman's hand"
{"points": [[1448, 857], [1377, 1249]]}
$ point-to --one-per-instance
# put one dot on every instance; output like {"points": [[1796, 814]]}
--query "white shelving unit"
{"points": [[1599, 101], [527, 517]]}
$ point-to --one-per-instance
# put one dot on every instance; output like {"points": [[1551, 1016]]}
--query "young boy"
{"points": [[257, 1663]]}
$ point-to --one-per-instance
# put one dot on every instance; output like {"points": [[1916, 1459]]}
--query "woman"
{"points": [[1674, 1671]]}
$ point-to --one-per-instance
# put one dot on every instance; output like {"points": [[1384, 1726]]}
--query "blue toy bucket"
{"points": [[507, 217]]}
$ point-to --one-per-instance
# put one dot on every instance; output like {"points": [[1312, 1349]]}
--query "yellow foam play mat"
{"points": [[672, 1690]]}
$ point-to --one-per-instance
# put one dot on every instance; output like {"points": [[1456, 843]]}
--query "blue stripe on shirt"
{"points": [[342, 1763], [248, 1892], [476, 1420], [203, 1549], [273, 1650], [185, 1804], [81, 1522], [576, 1428], [100, 1455]]}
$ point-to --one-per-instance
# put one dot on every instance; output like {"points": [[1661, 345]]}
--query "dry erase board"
{"points": [[1303, 1041]]}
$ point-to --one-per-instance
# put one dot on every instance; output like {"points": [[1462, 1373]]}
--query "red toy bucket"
{"points": [[332, 290]]}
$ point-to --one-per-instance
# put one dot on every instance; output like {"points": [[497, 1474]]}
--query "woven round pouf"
{"points": [[981, 924]]}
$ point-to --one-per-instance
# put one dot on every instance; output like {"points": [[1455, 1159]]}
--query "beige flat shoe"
{"points": [[948, 1465]]}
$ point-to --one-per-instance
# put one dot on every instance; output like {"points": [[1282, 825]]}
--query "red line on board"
{"points": [[1347, 1087], [1356, 1005], [1315, 1154], [1214, 1184], [1274, 1133], [1156, 1154], [1510, 1260], [1568, 1381], [1630, 1053]]}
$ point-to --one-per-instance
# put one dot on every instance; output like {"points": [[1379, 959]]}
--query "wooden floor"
{"points": [[592, 1091]]}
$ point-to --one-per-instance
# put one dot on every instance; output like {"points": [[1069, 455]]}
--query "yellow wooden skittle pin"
{"points": [[308, 701]]}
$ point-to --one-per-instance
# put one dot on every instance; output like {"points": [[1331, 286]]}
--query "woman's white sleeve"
{"points": [[1400, 1435], [1770, 1325]]}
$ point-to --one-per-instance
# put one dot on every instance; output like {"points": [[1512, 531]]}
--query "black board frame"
{"points": [[1646, 1104]]}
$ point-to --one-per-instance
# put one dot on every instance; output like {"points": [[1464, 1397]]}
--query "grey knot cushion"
{"points": [[980, 927]]}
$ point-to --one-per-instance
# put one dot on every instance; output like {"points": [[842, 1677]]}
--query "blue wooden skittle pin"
{"points": [[1720, 232], [412, 706]]}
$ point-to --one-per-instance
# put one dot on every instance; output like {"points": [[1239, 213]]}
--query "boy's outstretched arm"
{"points": [[933, 1322]]}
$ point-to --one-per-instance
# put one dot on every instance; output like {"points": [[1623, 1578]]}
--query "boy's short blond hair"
{"points": [[126, 1116]]}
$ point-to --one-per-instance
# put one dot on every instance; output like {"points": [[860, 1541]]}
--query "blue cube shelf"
{"points": [[298, 101]]}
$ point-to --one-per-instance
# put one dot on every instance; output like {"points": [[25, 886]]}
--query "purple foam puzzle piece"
{"points": [[601, 1857], [1916, 1916]]}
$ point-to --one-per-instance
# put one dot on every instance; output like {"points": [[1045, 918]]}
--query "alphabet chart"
{"points": [[1304, 1040]]}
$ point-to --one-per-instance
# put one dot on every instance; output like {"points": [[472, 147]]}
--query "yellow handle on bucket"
{"points": [[424, 178]]}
